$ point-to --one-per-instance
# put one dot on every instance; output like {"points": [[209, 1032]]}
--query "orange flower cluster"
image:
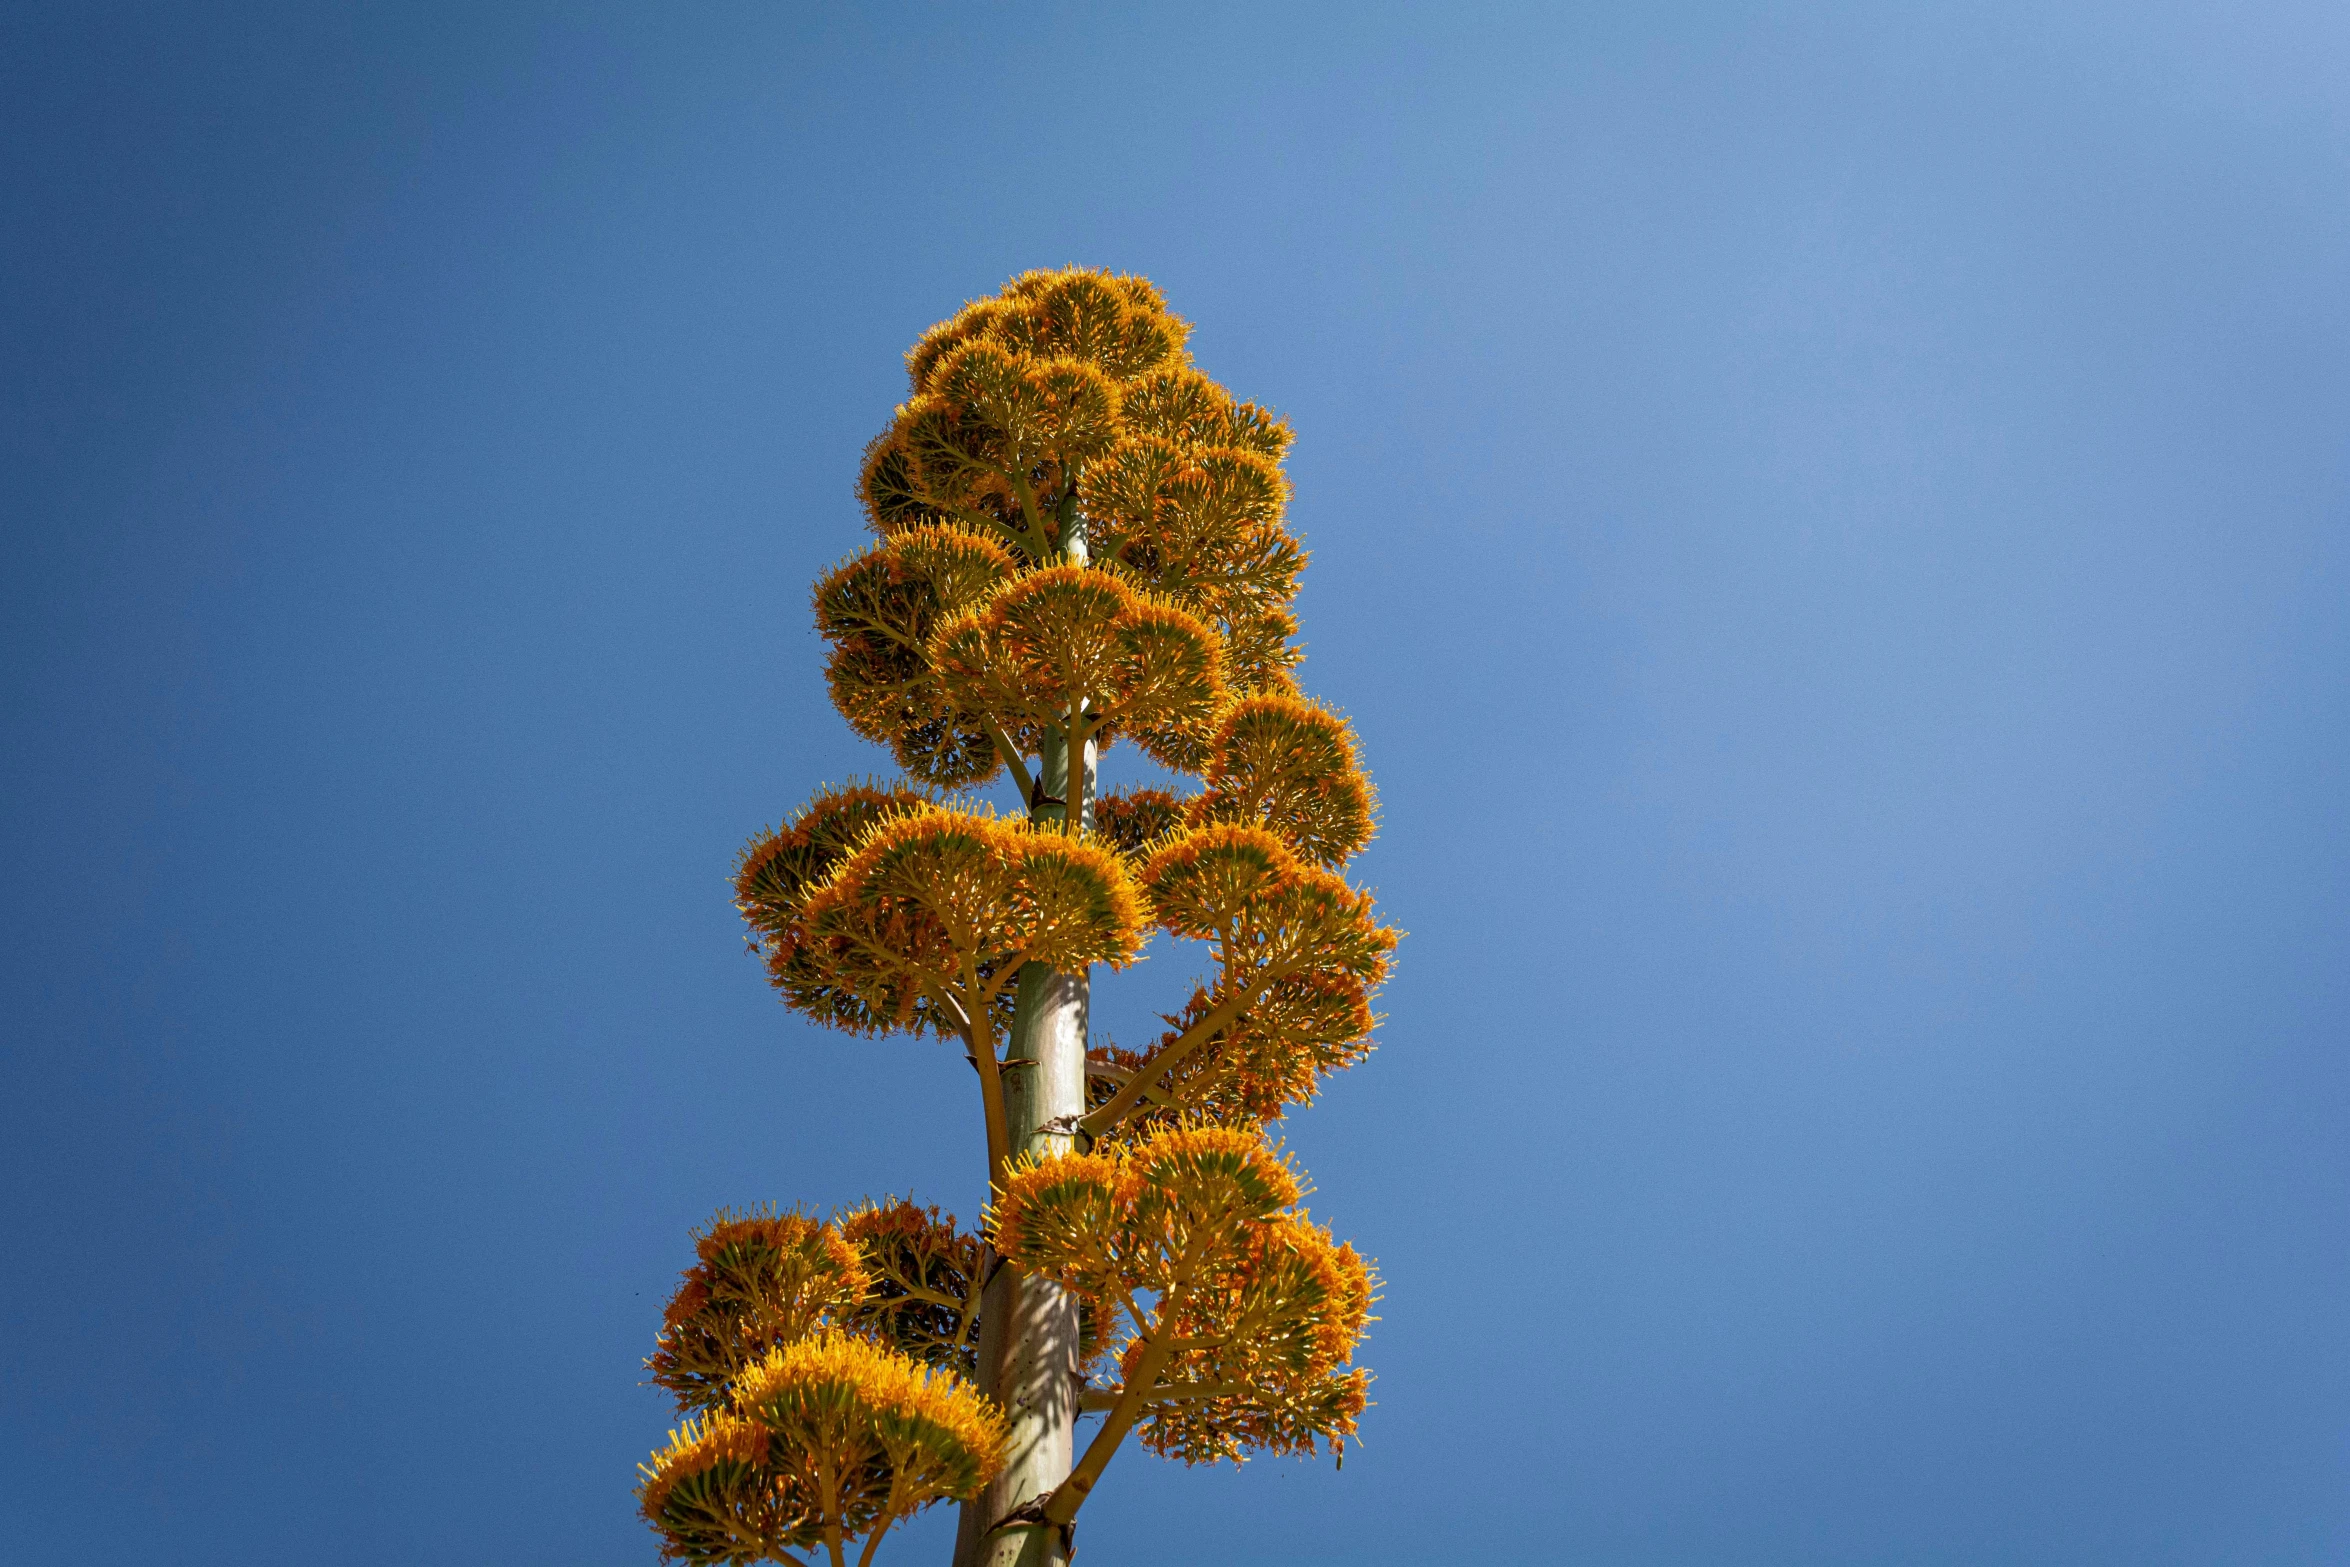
{"points": [[1282, 761], [1078, 644], [1012, 398], [1132, 821], [879, 609], [919, 921], [1239, 1312], [1067, 397], [761, 1279], [869, 1433], [1191, 502], [1298, 954], [1274, 760], [924, 1296], [826, 1440], [710, 1497], [820, 1367]]}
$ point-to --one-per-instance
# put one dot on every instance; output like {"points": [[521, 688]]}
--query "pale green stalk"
{"points": [[1028, 1327]]}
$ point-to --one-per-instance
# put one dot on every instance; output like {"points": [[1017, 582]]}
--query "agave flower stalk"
{"points": [[1032, 1370], [1080, 543]]}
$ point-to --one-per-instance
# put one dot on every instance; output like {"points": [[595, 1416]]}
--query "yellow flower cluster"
{"points": [[1298, 954], [877, 1429], [884, 911], [760, 1279], [920, 919], [879, 610], [1240, 1313], [817, 1365], [1080, 643], [1293, 766], [1067, 398], [825, 1440], [1011, 398]]}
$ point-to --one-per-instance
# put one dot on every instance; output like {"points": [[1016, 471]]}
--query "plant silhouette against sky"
{"points": [[1080, 543]]}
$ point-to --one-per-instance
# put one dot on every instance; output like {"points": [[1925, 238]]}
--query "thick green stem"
{"points": [[1028, 1327]]}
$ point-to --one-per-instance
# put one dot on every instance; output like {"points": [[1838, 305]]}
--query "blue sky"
{"points": [[1833, 524]]}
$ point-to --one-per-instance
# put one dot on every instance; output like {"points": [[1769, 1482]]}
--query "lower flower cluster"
{"points": [[816, 1364], [1235, 1315], [825, 1369], [825, 1441]]}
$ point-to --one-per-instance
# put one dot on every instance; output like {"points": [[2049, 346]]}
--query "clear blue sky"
{"points": [[1833, 524]]}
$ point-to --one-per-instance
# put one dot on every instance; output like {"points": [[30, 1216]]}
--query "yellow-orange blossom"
{"points": [[1081, 541]]}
